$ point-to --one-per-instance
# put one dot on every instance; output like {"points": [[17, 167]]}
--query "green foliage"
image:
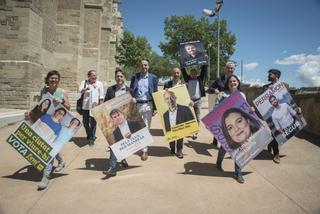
{"points": [[130, 49], [186, 28], [162, 65]]}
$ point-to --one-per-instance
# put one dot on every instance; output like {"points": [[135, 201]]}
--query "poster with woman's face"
{"points": [[237, 128], [192, 53]]}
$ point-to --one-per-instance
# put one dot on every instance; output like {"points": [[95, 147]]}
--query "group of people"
{"points": [[142, 85]]}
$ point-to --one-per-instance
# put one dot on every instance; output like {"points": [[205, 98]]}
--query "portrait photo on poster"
{"points": [[237, 128], [281, 113], [192, 53]]}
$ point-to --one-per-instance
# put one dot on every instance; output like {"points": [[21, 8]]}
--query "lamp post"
{"points": [[209, 63], [212, 13]]}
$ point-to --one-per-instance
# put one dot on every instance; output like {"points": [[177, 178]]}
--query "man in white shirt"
{"points": [[93, 96], [282, 115]]}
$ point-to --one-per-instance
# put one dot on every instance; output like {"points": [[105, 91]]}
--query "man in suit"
{"points": [[114, 91], [143, 85], [175, 115], [125, 128], [195, 88]]}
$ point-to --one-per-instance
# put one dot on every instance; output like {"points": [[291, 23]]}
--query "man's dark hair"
{"points": [[119, 70], [272, 96], [114, 111], [275, 72]]}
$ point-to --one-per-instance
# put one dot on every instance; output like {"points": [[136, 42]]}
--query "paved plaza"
{"points": [[164, 183]]}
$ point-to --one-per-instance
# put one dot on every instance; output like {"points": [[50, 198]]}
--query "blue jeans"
{"points": [[112, 161], [197, 108], [89, 124], [221, 154], [47, 170]]}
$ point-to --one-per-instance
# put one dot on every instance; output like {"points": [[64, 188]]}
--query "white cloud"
{"points": [[294, 59], [309, 67], [318, 49], [250, 66], [253, 82], [309, 72]]}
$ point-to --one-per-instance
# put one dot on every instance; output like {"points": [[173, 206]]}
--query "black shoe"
{"points": [[172, 152], [110, 173], [124, 163], [179, 154], [91, 142], [239, 178]]}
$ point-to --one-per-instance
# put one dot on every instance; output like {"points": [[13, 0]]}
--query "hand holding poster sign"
{"points": [[45, 131], [177, 117], [281, 113], [122, 126], [238, 130], [192, 53]]}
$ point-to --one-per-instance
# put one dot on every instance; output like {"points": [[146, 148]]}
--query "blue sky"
{"points": [[283, 34]]}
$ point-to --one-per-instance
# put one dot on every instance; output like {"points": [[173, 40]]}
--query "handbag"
{"points": [[80, 101]]}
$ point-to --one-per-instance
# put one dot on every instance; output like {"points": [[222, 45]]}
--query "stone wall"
{"points": [[71, 36]]}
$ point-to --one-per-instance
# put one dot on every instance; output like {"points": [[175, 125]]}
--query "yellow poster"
{"points": [[176, 113]]}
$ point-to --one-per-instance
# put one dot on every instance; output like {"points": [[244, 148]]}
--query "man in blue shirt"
{"points": [[143, 85]]}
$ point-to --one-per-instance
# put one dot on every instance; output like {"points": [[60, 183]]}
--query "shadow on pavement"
{"points": [[29, 173], [100, 164], [201, 148], [80, 141], [312, 138], [265, 155], [156, 132], [159, 151], [206, 169]]}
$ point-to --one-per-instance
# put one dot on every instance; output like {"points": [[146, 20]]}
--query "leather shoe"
{"points": [[110, 173], [144, 156], [276, 159], [239, 178], [124, 163], [179, 154]]}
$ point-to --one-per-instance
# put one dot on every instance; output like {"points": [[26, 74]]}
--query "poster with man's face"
{"points": [[122, 126], [48, 127], [280, 112], [239, 130], [192, 53], [176, 113]]}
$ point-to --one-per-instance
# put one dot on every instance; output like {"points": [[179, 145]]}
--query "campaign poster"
{"points": [[280, 112], [122, 126], [192, 53], [176, 113], [239, 130], [42, 135]]}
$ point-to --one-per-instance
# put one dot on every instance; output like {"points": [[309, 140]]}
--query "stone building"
{"points": [[71, 36]]}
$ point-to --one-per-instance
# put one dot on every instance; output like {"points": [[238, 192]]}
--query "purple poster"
{"points": [[239, 130]]}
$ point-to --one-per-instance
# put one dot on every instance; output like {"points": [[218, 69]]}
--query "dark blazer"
{"points": [[200, 78], [168, 84], [219, 84], [184, 114], [152, 86], [134, 126], [111, 91]]}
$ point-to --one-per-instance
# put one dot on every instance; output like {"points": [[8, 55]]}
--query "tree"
{"points": [[162, 65], [130, 49], [179, 29]]}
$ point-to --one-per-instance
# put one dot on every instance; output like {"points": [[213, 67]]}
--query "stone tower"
{"points": [[71, 36]]}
